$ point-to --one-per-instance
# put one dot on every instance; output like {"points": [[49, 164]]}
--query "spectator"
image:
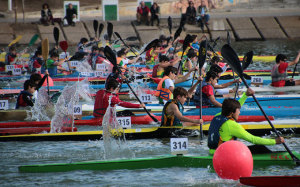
{"points": [[143, 13], [191, 13], [71, 13], [203, 15], [46, 15], [155, 12]]}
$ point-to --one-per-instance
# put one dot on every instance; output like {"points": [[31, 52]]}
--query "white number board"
{"points": [[77, 110], [100, 67], [179, 145], [74, 63], [146, 98], [85, 73], [99, 73], [257, 80], [9, 67], [17, 71], [3, 104], [125, 122]]}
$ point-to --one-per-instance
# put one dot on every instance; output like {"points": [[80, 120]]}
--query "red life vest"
{"points": [[101, 103]]}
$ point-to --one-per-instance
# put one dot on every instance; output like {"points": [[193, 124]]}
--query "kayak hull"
{"points": [[271, 181]]}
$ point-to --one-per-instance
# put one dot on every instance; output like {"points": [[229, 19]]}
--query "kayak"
{"points": [[168, 161], [271, 181], [136, 120], [34, 130], [148, 133], [269, 88]]}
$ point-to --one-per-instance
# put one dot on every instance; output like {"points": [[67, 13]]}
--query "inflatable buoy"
{"points": [[49, 79], [233, 160]]}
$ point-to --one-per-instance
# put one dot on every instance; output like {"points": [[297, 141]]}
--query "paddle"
{"points": [[294, 71], [230, 55], [228, 38], [170, 24], [150, 45], [176, 35], [246, 62], [101, 26], [109, 30], [64, 46], [56, 35], [19, 37], [33, 39], [45, 53], [95, 25], [112, 58], [118, 35], [186, 42]]}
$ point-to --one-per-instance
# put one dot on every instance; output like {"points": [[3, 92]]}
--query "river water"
{"points": [[14, 154]]}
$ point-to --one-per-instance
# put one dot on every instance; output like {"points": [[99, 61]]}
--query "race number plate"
{"points": [[125, 122], [3, 104], [179, 145]]}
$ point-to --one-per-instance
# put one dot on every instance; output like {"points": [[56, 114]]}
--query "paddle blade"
{"points": [[101, 26], [232, 58], [110, 55], [33, 39], [228, 38], [63, 45], [45, 49], [202, 54], [186, 42], [109, 30], [56, 35], [170, 24], [95, 25], [132, 38], [247, 60], [19, 37], [118, 35], [151, 44], [177, 33]]}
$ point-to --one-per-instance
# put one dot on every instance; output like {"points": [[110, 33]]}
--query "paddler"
{"points": [[225, 128], [166, 86], [172, 114], [11, 55], [53, 65], [25, 97], [164, 61], [279, 71], [122, 59], [36, 62], [102, 99]]}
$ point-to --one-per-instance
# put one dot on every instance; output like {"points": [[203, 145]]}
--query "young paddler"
{"points": [[25, 97], [164, 61], [224, 126]]}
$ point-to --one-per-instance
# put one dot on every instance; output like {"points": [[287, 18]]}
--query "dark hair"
{"points": [[37, 53], [170, 69], [83, 40], [12, 48], [191, 53], [193, 37], [280, 57], [101, 49], [215, 59], [215, 68], [163, 58], [54, 54], [45, 4], [162, 38], [229, 106], [179, 91], [28, 83], [210, 74], [112, 83], [121, 52], [94, 48], [35, 77]]}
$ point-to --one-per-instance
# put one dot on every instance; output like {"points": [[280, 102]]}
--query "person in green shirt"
{"points": [[225, 128], [53, 65]]}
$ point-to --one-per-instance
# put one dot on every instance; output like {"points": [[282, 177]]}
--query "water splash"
{"points": [[113, 136]]}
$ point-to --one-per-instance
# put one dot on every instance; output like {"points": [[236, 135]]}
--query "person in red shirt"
{"points": [[143, 13], [279, 74], [102, 99]]}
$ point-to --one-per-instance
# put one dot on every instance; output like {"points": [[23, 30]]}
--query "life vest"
{"points": [[101, 103], [205, 99], [20, 100], [276, 76], [150, 57], [163, 93], [171, 120], [184, 68]]}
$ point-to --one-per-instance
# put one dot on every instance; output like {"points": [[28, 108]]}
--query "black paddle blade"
{"points": [[132, 38], [202, 54], [170, 24], [109, 30], [110, 55], [177, 33], [151, 44], [247, 60], [215, 42], [101, 26], [56, 35], [186, 42], [118, 35], [246, 76], [95, 25], [228, 38], [232, 58]]}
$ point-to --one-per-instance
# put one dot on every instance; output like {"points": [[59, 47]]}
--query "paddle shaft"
{"points": [[194, 74], [201, 129], [126, 45], [271, 124], [294, 71]]}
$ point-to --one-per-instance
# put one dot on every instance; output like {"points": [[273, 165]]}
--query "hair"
{"points": [[216, 68], [179, 91], [170, 69], [35, 77], [280, 57], [101, 49], [54, 54], [162, 38], [193, 37], [95, 48], [38, 52], [191, 53], [229, 106], [45, 4], [112, 83], [163, 58], [28, 83], [12, 48], [121, 52], [83, 40], [215, 59], [210, 74]]}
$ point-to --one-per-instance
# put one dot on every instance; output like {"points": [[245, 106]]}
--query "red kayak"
{"points": [[31, 130], [272, 181], [137, 120]]}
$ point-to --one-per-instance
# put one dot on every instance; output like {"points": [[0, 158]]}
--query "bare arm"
{"points": [[225, 85], [295, 61], [214, 101], [173, 109]]}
